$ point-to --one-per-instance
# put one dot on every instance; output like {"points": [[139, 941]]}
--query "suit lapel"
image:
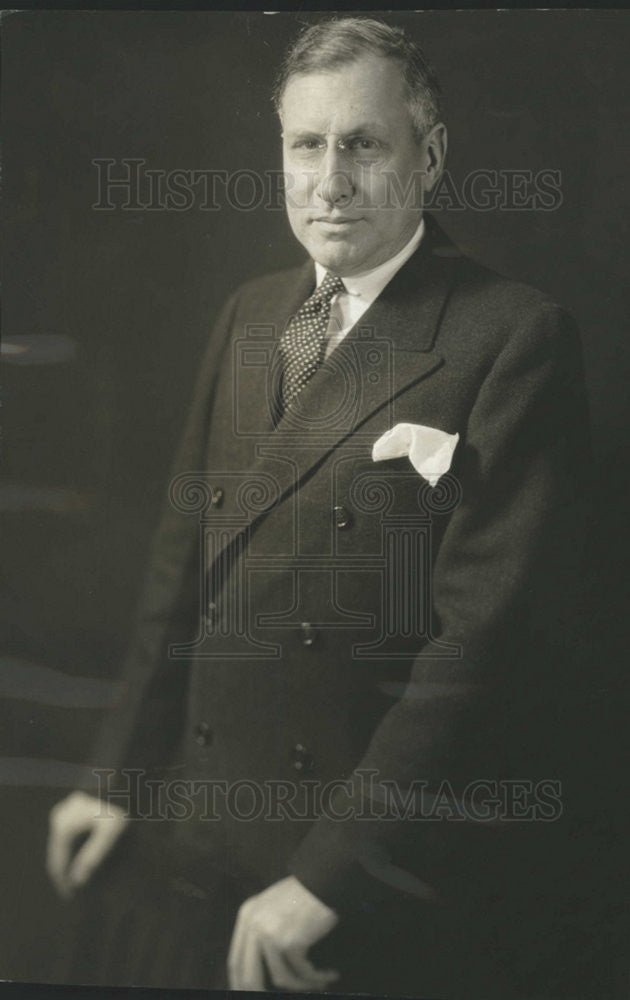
{"points": [[244, 410], [389, 349]]}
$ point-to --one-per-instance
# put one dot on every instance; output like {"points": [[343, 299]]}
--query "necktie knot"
{"points": [[329, 287]]}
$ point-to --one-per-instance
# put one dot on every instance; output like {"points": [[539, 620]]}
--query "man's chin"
{"points": [[340, 257]]}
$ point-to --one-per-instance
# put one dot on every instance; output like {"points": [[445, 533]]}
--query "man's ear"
{"points": [[435, 144]]}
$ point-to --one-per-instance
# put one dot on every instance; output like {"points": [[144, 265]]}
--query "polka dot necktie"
{"points": [[302, 345]]}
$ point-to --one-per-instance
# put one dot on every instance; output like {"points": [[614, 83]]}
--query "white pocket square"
{"points": [[430, 450]]}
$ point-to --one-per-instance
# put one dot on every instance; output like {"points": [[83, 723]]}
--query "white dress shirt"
{"points": [[361, 290]]}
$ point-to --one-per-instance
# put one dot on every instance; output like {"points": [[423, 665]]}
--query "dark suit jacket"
{"points": [[341, 615]]}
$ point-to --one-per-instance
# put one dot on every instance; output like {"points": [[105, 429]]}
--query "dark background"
{"points": [[106, 314]]}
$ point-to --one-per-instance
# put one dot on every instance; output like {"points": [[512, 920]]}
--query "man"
{"points": [[385, 449]]}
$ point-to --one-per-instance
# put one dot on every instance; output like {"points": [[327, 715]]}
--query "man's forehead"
{"points": [[368, 91]]}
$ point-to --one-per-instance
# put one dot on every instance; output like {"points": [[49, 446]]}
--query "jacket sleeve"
{"points": [[508, 556], [134, 732]]}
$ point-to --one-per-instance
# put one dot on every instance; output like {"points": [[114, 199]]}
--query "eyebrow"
{"points": [[361, 127]]}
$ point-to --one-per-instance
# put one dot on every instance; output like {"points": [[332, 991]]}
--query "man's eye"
{"points": [[362, 144], [307, 144]]}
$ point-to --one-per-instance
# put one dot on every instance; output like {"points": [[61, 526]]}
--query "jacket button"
{"points": [[210, 615], [217, 497], [308, 634], [203, 734], [301, 758], [342, 517]]}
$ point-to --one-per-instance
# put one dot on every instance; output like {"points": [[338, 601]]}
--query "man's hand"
{"points": [[273, 934], [76, 816]]}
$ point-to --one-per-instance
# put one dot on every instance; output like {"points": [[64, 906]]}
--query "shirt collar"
{"points": [[371, 283]]}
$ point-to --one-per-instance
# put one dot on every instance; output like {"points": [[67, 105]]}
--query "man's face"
{"points": [[353, 166]]}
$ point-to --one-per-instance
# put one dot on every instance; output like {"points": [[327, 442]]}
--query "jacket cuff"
{"points": [[326, 866], [347, 865]]}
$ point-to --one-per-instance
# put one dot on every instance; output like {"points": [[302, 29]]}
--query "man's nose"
{"points": [[335, 185]]}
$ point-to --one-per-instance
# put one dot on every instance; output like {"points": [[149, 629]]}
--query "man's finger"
{"points": [[282, 975], [234, 961], [246, 965], [253, 974], [100, 841], [305, 970], [58, 850]]}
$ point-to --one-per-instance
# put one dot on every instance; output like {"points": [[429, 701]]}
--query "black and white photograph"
{"points": [[314, 502]]}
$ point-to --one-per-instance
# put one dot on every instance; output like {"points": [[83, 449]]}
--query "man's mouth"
{"points": [[335, 220]]}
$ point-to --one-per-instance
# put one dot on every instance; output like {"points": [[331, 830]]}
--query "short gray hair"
{"points": [[338, 41]]}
